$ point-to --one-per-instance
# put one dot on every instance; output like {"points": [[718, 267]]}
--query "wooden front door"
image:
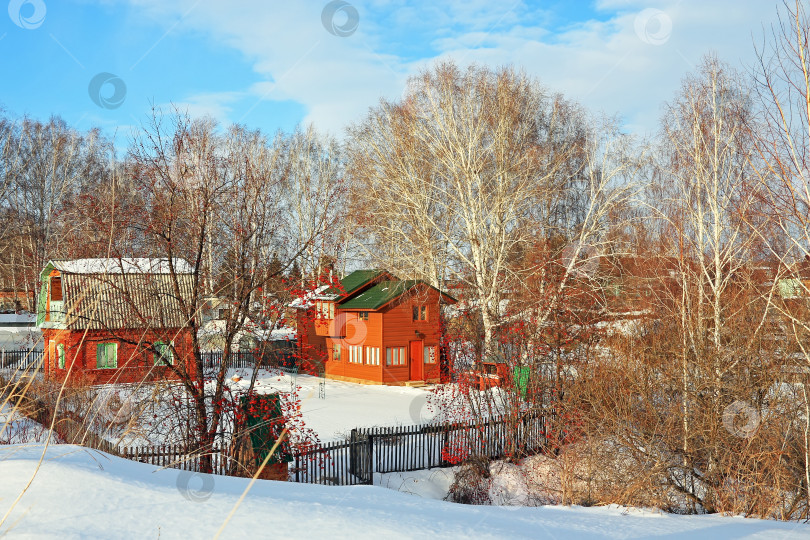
{"points": [[415, 361]]}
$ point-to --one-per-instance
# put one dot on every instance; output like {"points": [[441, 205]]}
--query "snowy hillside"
{"points": [[79, 493]]}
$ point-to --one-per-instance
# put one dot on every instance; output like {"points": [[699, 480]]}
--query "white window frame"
{"points": [[373, 356], [429, 355], [355, 354]]}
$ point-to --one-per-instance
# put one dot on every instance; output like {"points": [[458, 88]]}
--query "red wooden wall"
{"points": [[135, 363], [392, 326], [399, 330]]}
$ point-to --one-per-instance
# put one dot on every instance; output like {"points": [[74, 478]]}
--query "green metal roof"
{"points": [[355, 280], [380, 294]]}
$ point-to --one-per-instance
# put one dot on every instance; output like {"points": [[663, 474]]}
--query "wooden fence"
{"points": [[72, 431], [338, 464]]}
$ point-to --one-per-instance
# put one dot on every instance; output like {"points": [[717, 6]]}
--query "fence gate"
{"points": [[360, 458]]}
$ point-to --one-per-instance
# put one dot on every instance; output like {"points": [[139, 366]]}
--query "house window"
{"points": [[429, 355], [324, 310], [106, 355], [373, 356], [395, 356], [224, 314], [355, 354], [60, 351], [420, 313], [362, 315], [163, 354], [336, 352]]}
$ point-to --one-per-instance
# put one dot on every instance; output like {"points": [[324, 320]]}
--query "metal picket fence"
{"points": [[375, 450], [21, 360], [278, 357], [175, 456], [410, 448]]}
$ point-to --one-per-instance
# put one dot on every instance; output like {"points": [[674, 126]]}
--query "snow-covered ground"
{"points": [[79, 493], [427, 483], [347, 405], [150, 419], [18, 332], [16, 428]]}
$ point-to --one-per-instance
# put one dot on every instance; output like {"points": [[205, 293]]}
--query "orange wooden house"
{"points": [[375, 329], [114, 320]]}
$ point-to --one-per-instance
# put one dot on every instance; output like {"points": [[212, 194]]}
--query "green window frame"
{"points": [[163, 351], [106, 355], [42, 302]]}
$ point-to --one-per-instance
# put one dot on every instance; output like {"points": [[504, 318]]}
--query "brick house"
{"points": [[115, 320], [374, 328]]}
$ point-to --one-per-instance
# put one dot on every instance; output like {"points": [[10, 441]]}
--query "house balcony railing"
{"points": [[57, 311]]}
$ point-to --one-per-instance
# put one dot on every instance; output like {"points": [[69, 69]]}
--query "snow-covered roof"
{"points": [[130, 265], [217, 328], [307, 301]]}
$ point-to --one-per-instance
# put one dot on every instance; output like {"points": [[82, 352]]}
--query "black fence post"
{"points": [[370, 460], [443, 449]]}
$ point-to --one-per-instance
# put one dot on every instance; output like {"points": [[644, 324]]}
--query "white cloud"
{"points": [[603, 64], [215, 104], [293, 55]]}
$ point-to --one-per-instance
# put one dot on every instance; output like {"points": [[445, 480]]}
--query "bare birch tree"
{"points": [[316, 198], [43, 166], [462, 175]]}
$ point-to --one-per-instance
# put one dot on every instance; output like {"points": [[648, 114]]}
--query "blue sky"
{"points": [[271, 65]]}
